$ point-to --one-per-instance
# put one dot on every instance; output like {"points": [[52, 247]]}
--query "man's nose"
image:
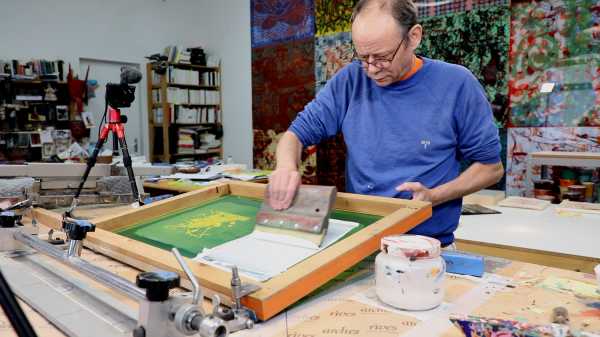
{"points": [[371, 69]]}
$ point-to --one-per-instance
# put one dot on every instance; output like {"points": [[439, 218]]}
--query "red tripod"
{"points": [[116, 124]]}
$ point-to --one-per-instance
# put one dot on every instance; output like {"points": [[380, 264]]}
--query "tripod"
{"points": [[116, 124]]}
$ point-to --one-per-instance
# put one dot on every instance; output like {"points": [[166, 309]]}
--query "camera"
{"points": [[120, 95]]}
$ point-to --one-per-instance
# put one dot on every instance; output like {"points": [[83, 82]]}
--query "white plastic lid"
{"points": [[413, 247]]}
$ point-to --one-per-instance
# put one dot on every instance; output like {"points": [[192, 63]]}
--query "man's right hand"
{"points": [[282, 188]]}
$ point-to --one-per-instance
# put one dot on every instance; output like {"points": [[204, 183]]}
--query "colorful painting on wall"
{"points": [[283, 81], [332, 53], [523, 141], [333, 16], [558, 43], [437, 8], [265, 144], [453, 39], [275, 21]]}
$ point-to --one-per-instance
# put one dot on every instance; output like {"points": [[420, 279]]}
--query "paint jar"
{"points": [[566, 182], [543, 184], [586, 175], [572, 196], [589, 191], [578, 189], [409, 272], [568, 174]]}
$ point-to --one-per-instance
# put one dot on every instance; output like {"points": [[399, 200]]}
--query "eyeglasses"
{"points": [[379, 62]]}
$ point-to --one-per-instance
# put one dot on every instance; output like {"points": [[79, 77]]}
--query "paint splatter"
{"points": [[591, 313], [595, 305], [479, 326], [571, 286], [199, 227]]}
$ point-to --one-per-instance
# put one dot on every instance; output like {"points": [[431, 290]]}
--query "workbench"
{"points": [[511, 290], [563, 240]]}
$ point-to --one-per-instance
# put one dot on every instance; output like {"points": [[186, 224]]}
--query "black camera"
{"points": [[120, 95]]}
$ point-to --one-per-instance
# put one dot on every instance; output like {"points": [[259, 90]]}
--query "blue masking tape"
{"points": [[465, 264]]}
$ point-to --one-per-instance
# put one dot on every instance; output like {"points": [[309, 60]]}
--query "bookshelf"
{"points": [[184, 112], [35, 121]]}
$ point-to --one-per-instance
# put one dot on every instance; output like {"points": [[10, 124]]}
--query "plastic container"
{"points": [[409, 272], [568, 174], [589, 191]]}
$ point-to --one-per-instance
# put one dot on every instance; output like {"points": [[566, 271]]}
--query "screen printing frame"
{"points": [[276, 294]]}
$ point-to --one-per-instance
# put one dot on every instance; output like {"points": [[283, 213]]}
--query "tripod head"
{"points": [[122, 94]]}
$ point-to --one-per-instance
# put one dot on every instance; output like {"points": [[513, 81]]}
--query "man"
{"points": [[406, 120]]}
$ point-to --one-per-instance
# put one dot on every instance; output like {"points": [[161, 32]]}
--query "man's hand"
{"points": [[283, 184], [473, 179], [419, 192]]}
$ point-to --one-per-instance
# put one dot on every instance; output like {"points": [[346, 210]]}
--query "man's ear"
{"points": [[414, 36]]}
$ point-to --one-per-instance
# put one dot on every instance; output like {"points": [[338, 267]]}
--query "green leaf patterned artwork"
{"points": [[478, 40]]}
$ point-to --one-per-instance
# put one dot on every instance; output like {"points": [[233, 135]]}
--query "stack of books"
{"points": [[33, 69], [185, 140]]}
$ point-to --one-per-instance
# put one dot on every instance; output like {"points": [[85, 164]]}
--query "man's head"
{"points": [[385, 34]]}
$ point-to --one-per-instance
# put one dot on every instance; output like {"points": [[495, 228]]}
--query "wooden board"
{"points": [[276, 294], [578, 207], [566, 155], [485, 197], [527, 203]]}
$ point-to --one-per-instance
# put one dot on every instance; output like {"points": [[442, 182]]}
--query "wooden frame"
{"points": [[399, 216]]}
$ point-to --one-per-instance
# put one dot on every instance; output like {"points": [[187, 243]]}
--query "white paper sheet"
{"points": [[261, 255], [194, 176]]}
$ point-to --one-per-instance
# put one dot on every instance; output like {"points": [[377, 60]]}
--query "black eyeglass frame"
{"points": [[379, 62]]}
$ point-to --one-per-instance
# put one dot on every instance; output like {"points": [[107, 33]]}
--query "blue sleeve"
{"points": [[478, 138], [322, 118]]}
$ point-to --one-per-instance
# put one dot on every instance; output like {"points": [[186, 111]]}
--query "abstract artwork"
{"points": [[332, 52], [472, 326], [283, 82], [556, 43], [333, 16], [437, 8], [275, 21], [523, 141], [478, 40], [265, 144]]}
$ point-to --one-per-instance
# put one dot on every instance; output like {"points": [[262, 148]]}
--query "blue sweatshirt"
{"points": [[415, 130]]}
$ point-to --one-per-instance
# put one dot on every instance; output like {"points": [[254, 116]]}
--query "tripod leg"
{"points": [[127, 163], [90, 163], [13, 310]]}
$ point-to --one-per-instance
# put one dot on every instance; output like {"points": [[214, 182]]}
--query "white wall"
{"points": [[126, 31], [231, 39]]}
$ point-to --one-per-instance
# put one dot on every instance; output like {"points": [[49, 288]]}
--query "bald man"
{"points": [[407, 122]]}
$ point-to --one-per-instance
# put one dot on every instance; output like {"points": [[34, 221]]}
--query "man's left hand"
{"points": [[419, 192]]}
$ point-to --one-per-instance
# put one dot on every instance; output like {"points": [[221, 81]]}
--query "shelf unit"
{"points": [[559, 158], [22, 120], [167, 130]]}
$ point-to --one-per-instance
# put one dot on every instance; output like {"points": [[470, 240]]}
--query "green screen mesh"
{"points": [[212, 223]]}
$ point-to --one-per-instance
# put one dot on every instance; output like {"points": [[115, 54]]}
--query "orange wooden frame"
{"points": [[276, 294]]}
